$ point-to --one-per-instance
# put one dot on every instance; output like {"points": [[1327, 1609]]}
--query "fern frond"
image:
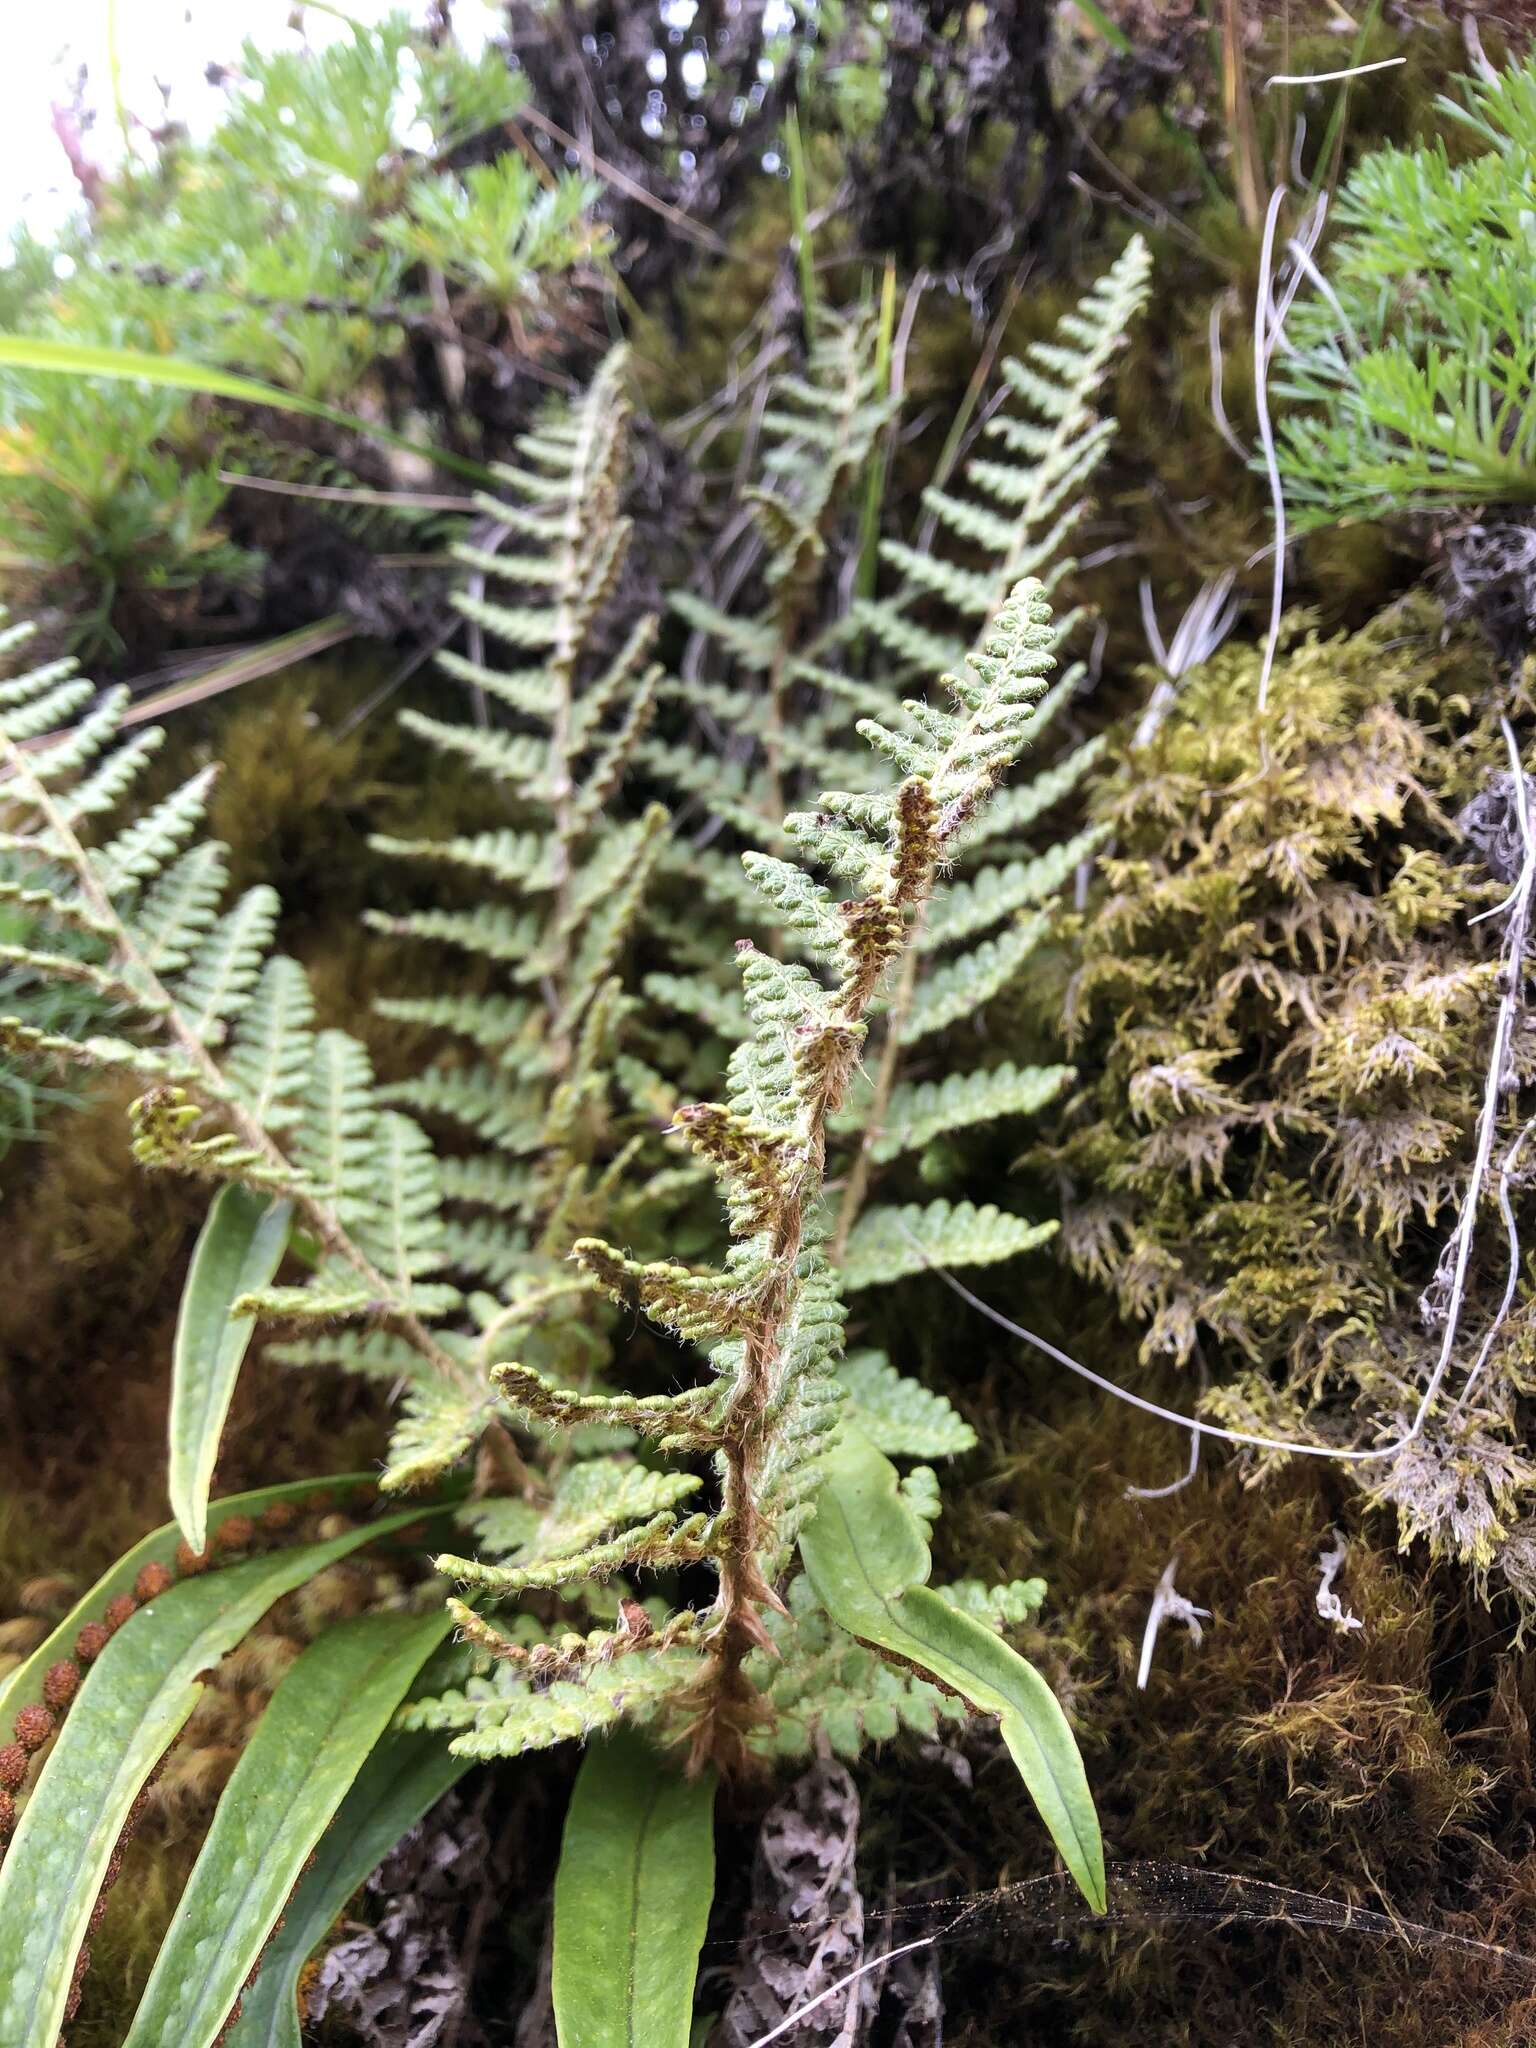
{"points": [[496, 1024], [718, 1009], [994, 893], [1013, 811], [505, 936], [404, 1234], [922, 1111], [226, 966], [826, 1689], [961, 986], [147, 846], [483, 1249], [517, 759], [521, 861], [593, 1499], [485, 1182], [478, 1099], [900, 1416], [335, 1139], [890, 1244], [1022, 508], [508, 1714], [437, 1426], [180, 909], [144, 911]]}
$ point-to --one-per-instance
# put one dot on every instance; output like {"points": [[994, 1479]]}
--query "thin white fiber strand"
{"points": [[1325, 77], [1262, 350]]}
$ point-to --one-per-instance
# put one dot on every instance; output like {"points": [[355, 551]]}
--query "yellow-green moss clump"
{"points": [[1282, 1016]]}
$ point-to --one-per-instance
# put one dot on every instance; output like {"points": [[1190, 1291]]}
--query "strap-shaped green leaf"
{"points": [[323, 1721], [134, 1701], [23, 1687], [238, 1251], [403, 1778], [76, 359], [867, 1559], [889, 1244], [637, 1873]]}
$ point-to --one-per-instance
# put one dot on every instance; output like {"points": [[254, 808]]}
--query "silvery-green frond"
{"points": [[560, 694], [1018, 505], [893, 1242], [217, 1026]]}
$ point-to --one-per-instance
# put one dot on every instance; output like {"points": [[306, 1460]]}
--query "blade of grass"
{"points": [[799, 213], [248, 666], [89, 359], [1101, 23], [1331, 149], [350, 494], [684, 223], [874, 483], [1242, 128]]}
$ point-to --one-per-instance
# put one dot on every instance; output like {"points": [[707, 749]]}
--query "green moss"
{"points": [[1283, 1018]]}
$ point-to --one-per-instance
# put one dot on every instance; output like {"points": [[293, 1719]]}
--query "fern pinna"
{"points": [[789, 1449]]}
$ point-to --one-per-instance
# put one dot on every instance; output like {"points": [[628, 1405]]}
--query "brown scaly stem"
{"points": [[730, 1706], [772, 1308], [879, 928]]}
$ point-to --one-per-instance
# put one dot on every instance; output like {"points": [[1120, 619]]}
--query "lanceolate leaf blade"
{"points": [[23, 1687], [238, 1251], [866, 1558], [322, 1722], [88, 359], [632, 1895], [963, 1652], [134, 1701], [403, 1779]]}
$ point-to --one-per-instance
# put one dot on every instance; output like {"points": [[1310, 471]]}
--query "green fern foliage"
{"points": [[978, 938], [788, 706], [770, 1314], [798, 671], [524, 1078], [1018, 512], [422, 1262], [890, 1242], [213, 1022]]}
